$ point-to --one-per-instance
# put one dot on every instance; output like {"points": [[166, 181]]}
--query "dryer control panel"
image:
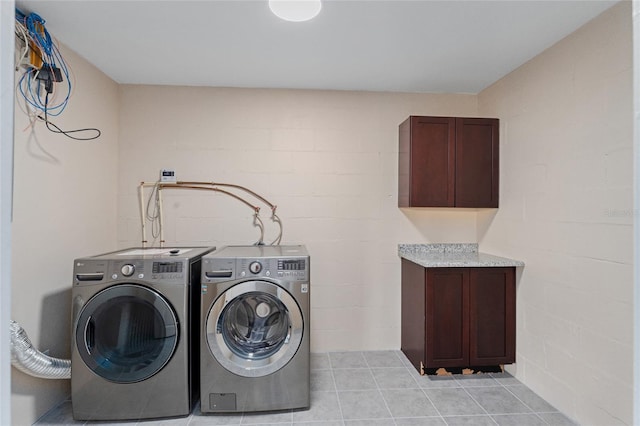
{"points": [[95, 271]]}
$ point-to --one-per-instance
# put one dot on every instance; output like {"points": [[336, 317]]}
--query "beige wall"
{"points": [[567, 211], [328, 160], [64, 207]]}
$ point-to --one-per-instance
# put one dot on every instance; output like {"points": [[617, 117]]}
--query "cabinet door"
{"points": [[476, 162], [492, 316], [427, 162], [447, 334], [412, 328]]}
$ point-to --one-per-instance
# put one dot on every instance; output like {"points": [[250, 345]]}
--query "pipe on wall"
{"points": [[26, 358]]}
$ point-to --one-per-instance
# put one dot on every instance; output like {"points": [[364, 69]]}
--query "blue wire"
{"points": [[42, 38], [51, 57], [20, 16]]}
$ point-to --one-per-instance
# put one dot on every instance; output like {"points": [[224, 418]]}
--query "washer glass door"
{"points": [[254, 328], [126, 333]]}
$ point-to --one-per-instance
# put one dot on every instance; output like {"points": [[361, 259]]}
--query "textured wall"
{"points": [[567, 211], [64, 207], [327, 159]]}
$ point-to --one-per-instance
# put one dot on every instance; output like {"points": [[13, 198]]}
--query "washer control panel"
{"points": [[225, 269]]}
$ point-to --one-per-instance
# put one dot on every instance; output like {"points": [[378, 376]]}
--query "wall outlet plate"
{"points": [[168, 175]]}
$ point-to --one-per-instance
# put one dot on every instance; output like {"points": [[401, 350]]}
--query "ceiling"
{"points": [[371, 45]]}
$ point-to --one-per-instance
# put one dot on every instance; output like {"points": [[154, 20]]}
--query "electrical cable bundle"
{"points": [[44, 67]]}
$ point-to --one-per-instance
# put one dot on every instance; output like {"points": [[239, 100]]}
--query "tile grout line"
{"points": [[502, 414], [408, 368], [525, 404], [474, 400], [379, 390], [434, 406], [335, 386], [511, 387]]}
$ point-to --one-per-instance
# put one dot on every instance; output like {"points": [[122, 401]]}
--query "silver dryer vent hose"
{"points": [[29, 360]]}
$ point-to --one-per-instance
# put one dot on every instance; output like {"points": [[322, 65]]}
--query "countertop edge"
{"points": [[457, 260]]}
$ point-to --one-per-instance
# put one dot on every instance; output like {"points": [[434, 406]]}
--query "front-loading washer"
{"points": [[255, 329], [135, 316]]}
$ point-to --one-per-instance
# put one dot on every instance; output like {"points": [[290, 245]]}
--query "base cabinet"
{"points": [[458, 317]]}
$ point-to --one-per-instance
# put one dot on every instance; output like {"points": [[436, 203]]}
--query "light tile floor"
{"points": [[381, 388]]}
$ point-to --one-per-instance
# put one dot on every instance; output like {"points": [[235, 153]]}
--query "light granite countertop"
{"points": [[447, 255]]}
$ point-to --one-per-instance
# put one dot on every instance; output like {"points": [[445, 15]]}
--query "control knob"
{"points": [[255, 267], [128, 270]]}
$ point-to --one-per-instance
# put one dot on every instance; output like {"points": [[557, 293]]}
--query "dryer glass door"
{"points": [[254, 328], [126, 333]]}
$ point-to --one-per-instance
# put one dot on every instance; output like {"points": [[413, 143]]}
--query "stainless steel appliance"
{"points": [[133, 334], [255, 329]]}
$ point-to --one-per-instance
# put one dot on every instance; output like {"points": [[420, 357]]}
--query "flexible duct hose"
{"points": [[29, 360]]}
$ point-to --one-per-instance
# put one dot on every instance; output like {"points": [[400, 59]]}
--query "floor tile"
{"points": [[497, 400], [322, 380], [394, 378], [370, 422], [215, 419], [505, 378], [557, 419], [267, 418], [411, 369], [357, 405], [531, 399], [383, 359], [473, 380], [453, 402], [408, 403], [427, 382], [421, 421], [319, 361], [272, 424], [354, 379], [324, 407], [470, 421], [380, 388], [60, 415], [347, 360], [179, 421], [519, 420]]}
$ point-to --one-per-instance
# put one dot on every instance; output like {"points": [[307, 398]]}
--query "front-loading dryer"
{"points": [[134, 344], [255, 329]]}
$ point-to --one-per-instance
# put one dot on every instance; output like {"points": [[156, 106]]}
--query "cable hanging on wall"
{"points": [[45, 84], [152, 212]]}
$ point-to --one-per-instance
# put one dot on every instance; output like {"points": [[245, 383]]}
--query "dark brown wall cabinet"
{"points": [[448, 162], [458, 317]]}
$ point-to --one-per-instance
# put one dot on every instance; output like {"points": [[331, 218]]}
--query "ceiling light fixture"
{"points": [[295, 10]]}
